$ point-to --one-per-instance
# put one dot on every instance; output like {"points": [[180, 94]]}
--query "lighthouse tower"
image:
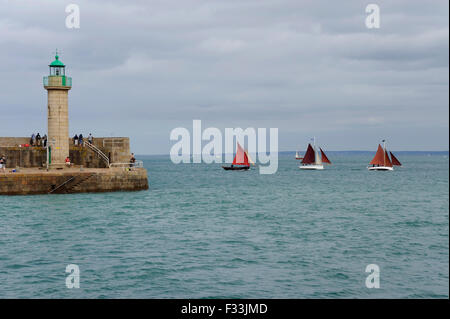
{"points": [[58, 85]]}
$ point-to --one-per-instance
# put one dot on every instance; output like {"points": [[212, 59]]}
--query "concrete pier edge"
{"points": [[67, 181]]}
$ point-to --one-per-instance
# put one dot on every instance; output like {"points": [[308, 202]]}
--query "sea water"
{"points": [[202, 232]]}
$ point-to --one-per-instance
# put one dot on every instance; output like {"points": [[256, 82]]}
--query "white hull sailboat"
{"points": [[313, 160], [380, 168], [312, 166], [382, 162]]}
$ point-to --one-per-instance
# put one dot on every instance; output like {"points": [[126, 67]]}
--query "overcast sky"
{"points": [[309, 68]]}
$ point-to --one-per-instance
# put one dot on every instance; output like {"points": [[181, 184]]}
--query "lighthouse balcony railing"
{"points": [[57, 80]]}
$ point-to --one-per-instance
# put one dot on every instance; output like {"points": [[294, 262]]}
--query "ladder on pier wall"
{"points": [[59, 187], [70, 184], [96, 150]]}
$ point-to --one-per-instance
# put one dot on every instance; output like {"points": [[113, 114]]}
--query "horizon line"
{"points": [[442, 151]]}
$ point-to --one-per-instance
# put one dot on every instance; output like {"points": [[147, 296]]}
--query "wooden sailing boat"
{"points": [[312, 159], [381, 160], [241, 160]]}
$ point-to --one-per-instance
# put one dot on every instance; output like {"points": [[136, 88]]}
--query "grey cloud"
{"points": [[307, 67]]}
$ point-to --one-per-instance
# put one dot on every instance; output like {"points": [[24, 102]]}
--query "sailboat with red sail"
{"points": [[241, 160], [382, 161], [313, 160]]}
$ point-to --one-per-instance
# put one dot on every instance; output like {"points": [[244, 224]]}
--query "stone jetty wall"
{"points": [[116, 148], [24, 156], [66, 181]]}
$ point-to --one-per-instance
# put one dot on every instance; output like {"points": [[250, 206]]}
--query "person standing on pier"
{"points": [[38, 139], [132, 160], [3, 163], [32, 139]]}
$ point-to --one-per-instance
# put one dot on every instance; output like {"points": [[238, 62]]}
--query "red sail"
{"points": [[395, 161], [310, 156], [324, 157], [241, 157], [387, 161], [379, 157]]}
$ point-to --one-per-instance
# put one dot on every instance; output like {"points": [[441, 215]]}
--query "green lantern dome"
{"points": [[57, 62], [57, 68]]}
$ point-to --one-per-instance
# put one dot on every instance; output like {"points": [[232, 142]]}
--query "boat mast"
{"points": [[317, 158], [384, 144], [315, 151]]}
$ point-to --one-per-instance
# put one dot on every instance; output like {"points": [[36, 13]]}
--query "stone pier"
{"points": [[117, 149], [101, 166], [34, 181]]}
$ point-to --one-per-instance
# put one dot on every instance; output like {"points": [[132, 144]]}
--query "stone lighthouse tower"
{"points": [[58, 85]]}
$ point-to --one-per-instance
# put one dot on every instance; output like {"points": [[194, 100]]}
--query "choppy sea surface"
{"points": [[202, 232]]}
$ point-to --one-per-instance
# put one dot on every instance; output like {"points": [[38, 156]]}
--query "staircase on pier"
{"points": [[97, 151], [69, 185]]}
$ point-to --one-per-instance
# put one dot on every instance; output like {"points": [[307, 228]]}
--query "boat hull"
{"points": [[380, 168], [236, 168], [312, 167]]}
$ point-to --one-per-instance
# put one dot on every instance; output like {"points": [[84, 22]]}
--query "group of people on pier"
{"points": [[37, 140], [79, 139]]}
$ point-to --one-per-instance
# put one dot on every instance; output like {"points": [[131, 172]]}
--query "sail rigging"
{"points": [[241, 157], [310, 156], [395, 161], [379, 157], [250, 160], [387, 161], [324, 157], [318, 157]]}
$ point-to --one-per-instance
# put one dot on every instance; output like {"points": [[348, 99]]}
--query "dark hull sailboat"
{"points": [[236, 168], [240, 162]]}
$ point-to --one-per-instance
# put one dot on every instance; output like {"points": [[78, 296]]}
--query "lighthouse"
{"points": [[58, 85], [98, 172]]}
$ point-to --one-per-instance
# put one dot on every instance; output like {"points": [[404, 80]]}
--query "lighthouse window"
{"points": [[57, 71]]}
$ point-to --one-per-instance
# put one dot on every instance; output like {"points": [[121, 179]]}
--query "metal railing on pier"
{"points": [[136, 164], [62, 184], [96, 150]]}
